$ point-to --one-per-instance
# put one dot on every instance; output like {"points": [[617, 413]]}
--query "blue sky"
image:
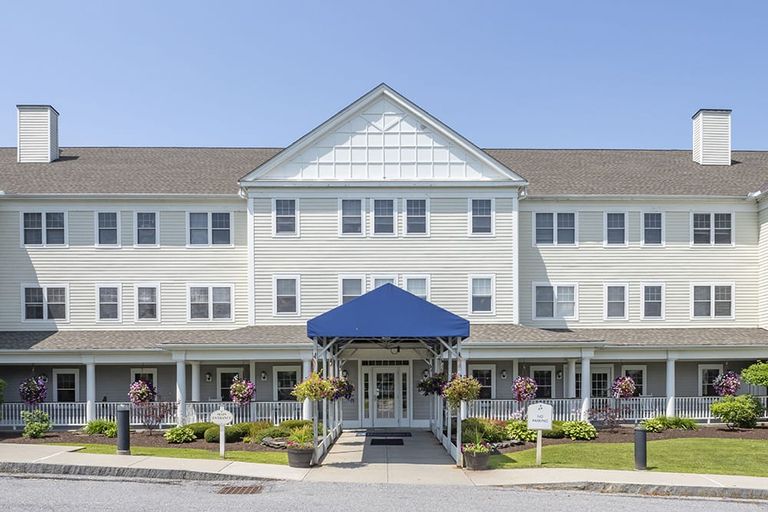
{"points": [[504, 74]]}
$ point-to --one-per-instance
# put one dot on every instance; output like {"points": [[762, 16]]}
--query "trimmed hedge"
{"points": [[556, 432], [200, 427]]}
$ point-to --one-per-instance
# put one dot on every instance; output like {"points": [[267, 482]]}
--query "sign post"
{"points": [[222, 418], [539, 419]]}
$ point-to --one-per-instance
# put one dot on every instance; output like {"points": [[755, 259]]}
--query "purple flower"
{"points": [[524, 388], [623, 387], [141, 392], [727, 383], [34, 389], [241, 391]]}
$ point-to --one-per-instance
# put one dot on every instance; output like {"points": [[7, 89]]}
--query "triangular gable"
{"points": [[382, 137]]}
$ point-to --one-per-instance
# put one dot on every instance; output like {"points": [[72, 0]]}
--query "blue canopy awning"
{"points": [[388, 312]]}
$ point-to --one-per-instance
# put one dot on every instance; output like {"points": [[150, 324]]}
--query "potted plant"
{"points": [[432, 384], [460, 389], [314, 388], [141, 392], [727, 384], [241, 391], [524, 389], [342, 388], [34, 389], [301, 447], [476, 455]]}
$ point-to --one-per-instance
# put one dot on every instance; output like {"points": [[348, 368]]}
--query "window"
{"points": [[481, 211], [108, 297], [384, 217], [352, 217], [553, 300], [211, 228], [147, 302], [44, 229], [615, 301], [350, 287], [712, 229], [66, 385], [210, 302], [713, 300], [653, 301], [148, 375], [107, 229], [615, 228], [481, 290], [45, 302], [486, 375], [417, 285], [284, 379], [416, 217], [707, 375], [653, 228], [285, 217], [286, 295], [146, 228], [377, 281], [545, 381], [555, 229], [637, 372], [601, 380], [224, 379]]}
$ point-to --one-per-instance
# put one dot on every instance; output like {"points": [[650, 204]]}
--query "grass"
{"points": [[700, 455], [265, 457]]}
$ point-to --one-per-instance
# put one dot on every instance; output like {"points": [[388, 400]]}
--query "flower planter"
{"points": [[476, 461], [300, 457]]}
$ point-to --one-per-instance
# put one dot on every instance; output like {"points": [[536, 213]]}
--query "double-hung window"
{"points": [[285, 218], [45, 302], [108, 296], [708, 373], [416, 217], [615, 301], [713, 301], [486, 376], [381, 280], [210, 302], [615, 228], [350, 288], [653, 301], [147, 302], [481, 289], [637, 373], [286, 295], [44, 229], [352, 222], [210, 228], [384, 217], [554, 301], [66, 385], [417, 285], [107, 229], [481, 216], [285, 379], [712, 229], [544, 376], [146, 228], [653, 228], [555, 228]]}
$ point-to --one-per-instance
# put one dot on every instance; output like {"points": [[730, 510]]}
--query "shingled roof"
{"points": [[550, 172]]}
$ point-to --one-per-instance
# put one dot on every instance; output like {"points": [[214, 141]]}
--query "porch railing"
{"points": [[166, 412], [276, 412], [563, 409], [64, 414]]}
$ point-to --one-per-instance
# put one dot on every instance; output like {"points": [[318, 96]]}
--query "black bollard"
{"points": [[123, 430], [641, 453]]}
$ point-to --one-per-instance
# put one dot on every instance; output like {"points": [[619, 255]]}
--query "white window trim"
{"points": [[151, 371], [492, 277], [373, 277], [297, 215], [59, 371], [210, 287], [643, 284], [555, 242], [45, 318], [342, 277], [712, 285], [136, 243], [642, 368], [210, 244], [605, 302], [45, 243], [395, 217], [297, 279], [605, 228], [427, 219], [546, 368], [363, 217], [663, 229], [493, 217], [491, 367], [96, 230], [554, 286], [597, 368], [702, 367], [136, 287], [97, 301], [230, 369], [276, 369], [712, 228], [426, 277]]}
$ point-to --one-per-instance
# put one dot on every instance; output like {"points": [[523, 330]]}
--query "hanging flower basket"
{"points": [[623, 387], [342, 388], [432, 385], [314, 388], [34, 389], [460, 389], [524, 388], [142, 392], [727, 384], [241, 391]]}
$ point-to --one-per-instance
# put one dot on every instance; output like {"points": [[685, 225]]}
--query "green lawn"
{"points": [[699, 455], [191, 453]]}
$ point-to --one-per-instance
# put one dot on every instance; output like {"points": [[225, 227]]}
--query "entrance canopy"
{"points": [[388, 312]]}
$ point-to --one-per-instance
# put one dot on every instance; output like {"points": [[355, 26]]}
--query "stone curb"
{"points": [[15, 468], [688, 491]]}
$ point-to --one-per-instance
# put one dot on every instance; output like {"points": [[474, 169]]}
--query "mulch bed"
{"points": [[140, 438]]}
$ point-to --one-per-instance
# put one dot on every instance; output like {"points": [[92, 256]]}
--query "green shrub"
{"points": [[656, 424], [276, 432], [36, 423], [662, 423], [489, 431], [200, 427], [579, 430], [292, 424], [556, 432], [519, 431], [756, 374], [104, 427], [180, 434], [232, 434], [738, 411]]}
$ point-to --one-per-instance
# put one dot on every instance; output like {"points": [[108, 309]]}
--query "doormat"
{"points": [[386, 442], [374, 433]]}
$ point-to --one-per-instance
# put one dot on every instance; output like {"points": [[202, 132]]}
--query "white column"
{"points": [[90, 392], [571, 391], [515, 368], [670, 386], [195, 380], [461, 369], [586, 386], [306, 409], [181, 391]]}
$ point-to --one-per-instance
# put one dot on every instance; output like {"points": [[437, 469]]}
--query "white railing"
{"points": [[276, 412], [64, 414], [563, 409], [165, 412]]}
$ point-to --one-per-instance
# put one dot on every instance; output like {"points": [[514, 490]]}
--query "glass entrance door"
{"points": [[385, 398]]}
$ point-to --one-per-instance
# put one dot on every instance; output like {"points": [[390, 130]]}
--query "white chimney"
{"points": [[712, 137], [38, 134]]}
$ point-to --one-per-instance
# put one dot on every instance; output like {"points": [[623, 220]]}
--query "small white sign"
{"points": [[222, 417], [540, 417]]}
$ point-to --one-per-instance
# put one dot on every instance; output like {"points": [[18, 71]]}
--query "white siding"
{"points": [[38, 139], [712, 137], [763, 266]]}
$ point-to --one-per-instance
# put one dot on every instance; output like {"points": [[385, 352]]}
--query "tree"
{"points": [[756, 374]]}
